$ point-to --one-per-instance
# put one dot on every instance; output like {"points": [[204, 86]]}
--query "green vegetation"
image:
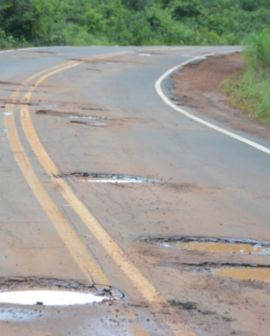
{"points": [[152, 22], [130, 22], [250, 90]]}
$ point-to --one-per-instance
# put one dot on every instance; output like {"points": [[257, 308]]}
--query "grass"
{"points": [[250, 91]]}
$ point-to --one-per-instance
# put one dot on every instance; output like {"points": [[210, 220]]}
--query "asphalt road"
{"points": [[74, 119]]}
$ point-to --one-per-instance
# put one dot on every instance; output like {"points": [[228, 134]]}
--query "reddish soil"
{"points": [[200, 86]]}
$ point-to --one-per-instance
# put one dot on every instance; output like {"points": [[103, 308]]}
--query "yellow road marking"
{"points": [[78, 251], [142, 284]]}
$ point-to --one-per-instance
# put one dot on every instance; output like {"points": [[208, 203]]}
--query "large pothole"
{"points": [[53, 292], [213, 244], [50, 297], [220, 247]]}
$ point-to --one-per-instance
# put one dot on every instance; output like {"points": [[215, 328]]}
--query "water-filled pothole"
{"points": [[88, 120], [144, 54], [7, 113], [221, 246], [244, 273], [3, 131], [215, 244], [110, 178], [54, 292], [242, 248], [50, 298]]}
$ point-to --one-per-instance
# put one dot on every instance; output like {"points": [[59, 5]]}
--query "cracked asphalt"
{"points": [[92, 163]]}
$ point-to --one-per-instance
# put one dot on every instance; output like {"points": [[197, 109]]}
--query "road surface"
{"points": [[106, 189]]}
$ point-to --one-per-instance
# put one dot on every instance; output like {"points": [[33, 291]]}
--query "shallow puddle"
{"points": [[141, 54], [244, 273], [241, 248], [88, 120], [3, 131], [111, 178], [6, 113], [214, 244]]}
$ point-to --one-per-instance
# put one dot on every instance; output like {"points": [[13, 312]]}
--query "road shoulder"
{"points": [[199, 86]]}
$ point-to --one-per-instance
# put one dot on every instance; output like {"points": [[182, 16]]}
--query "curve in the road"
{"points": [[160, 92], [78, 251], [145, 288]]}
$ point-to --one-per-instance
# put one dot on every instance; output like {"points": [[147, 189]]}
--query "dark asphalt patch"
{"points": [[211, 265], [105, 61], [94, 69], [43, 52], [10, 83], [53, 113], [191, 306]]}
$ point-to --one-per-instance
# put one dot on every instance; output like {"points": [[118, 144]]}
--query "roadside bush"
{"points": [[258, 52], [250, 91]]}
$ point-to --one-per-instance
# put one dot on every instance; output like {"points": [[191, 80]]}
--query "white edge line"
{"points": [[197, 119]]}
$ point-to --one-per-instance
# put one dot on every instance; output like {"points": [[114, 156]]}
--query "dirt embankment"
{"points": [[200, 86]]}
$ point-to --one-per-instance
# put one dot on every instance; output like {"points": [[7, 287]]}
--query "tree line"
{"points": [[130, 22]]}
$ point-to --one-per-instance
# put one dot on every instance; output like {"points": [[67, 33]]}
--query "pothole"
{"points": [[3, 131], [219, 246], [101, 61], [53, 113], [76, 118], [44, 52], [237, 271], [10, 83], [88, 120], [94, 69], [110, 178], [49, 298], [52, 110], [214, 244], [244, 273], [241, 248], [143, 54], [7, 114], [53, 292]]}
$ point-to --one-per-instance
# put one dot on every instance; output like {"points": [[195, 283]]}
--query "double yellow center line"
{"points": [[81, 255]]}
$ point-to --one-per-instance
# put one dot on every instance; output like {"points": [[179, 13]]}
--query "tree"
{"points": [[19, 18]]}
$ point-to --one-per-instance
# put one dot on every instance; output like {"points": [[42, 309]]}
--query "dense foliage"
{"points": [[130, 22], [249, 91]]}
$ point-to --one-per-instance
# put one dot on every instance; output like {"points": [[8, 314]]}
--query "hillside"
{"points": [[129, 22]]}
